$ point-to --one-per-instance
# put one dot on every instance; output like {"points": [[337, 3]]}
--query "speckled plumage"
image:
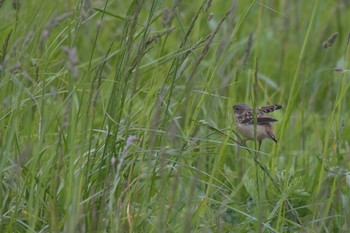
{"points": [[244, 119]]}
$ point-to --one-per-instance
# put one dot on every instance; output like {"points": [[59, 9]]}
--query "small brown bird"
{"points": [[244, 119]]}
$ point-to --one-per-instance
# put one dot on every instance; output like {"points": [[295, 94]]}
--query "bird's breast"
{"points": [[247, 130]]}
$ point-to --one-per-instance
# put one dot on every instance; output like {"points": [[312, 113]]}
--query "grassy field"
{"points": [[117, 116]]}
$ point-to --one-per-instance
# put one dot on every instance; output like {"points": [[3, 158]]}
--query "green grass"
{"points": [[117, 116]]}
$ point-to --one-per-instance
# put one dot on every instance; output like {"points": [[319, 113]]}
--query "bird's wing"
{"points": [[260, 120], [269, 108], [265, 120]]}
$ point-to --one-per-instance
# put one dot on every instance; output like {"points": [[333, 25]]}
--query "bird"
{"points": [[244, 119]]}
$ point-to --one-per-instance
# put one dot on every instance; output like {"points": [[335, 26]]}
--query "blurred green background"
{"points": [[117, 116]]}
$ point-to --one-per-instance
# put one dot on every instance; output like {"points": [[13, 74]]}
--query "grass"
{"points": [[117, 116]]}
